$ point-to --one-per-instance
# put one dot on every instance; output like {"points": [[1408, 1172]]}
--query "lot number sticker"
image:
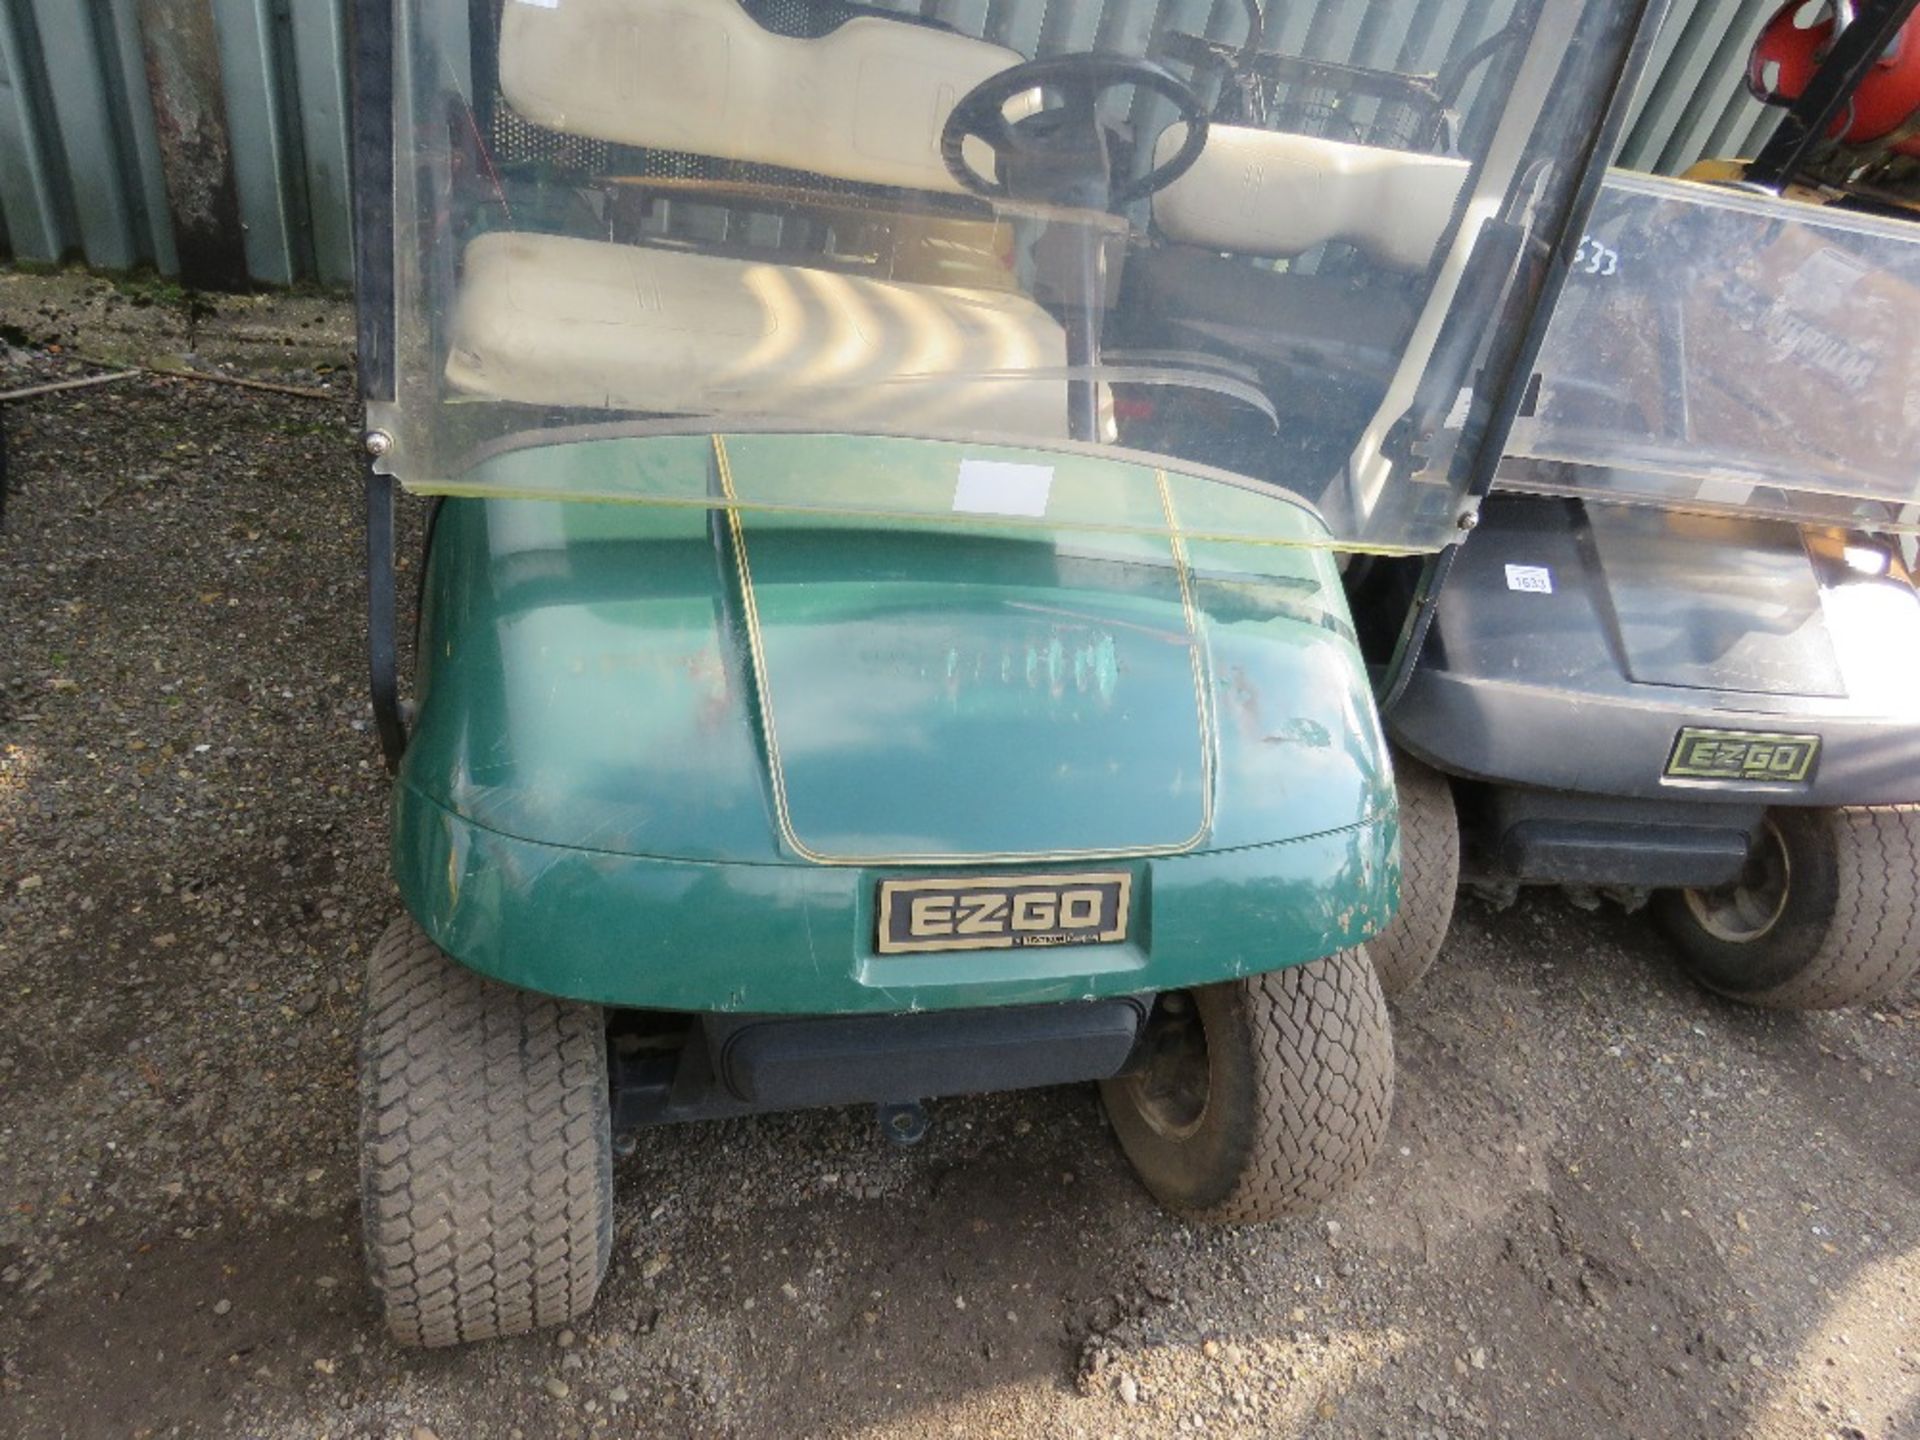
{"points": [[1535, 579], [1595, 258], [1000, 487]]}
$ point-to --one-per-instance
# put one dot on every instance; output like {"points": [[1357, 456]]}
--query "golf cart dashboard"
{"points": [[843, 218]]}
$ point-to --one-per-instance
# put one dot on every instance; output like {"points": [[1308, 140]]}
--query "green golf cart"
{"points": [[882, 632]]}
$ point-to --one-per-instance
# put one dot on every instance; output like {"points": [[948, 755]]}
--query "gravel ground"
{"points": [[1610, 1206]]}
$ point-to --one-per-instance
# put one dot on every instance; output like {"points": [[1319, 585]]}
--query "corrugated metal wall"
{"points": [[207, 138]]}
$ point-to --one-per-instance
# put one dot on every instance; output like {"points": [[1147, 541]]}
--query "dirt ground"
{"points": [[1610, 1205]]}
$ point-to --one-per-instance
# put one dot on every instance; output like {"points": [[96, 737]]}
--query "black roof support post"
{"points": [[371, 70]]}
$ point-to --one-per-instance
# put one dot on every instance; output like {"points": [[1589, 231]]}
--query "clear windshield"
{"points": [[1048, 237], [1715, 350]]}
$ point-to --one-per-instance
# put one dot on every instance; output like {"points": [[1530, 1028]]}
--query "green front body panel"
{"points": [[665, 755]]}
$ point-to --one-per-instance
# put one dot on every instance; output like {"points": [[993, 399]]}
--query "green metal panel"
{"points": [[969, 16], [1016, 24], [1335, 31], [319, 51], [1694, 103], [1069, 27], [604, 675], [1124, 24], [32, 191], [262, 168], [134, 99], [105, 206], [1683, 80], [1707, 110]]}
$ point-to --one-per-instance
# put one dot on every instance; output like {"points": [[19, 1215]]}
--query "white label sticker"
{"points": [[1536, 579], [1724, 492], [539, 4], [1000, 487], [1822, 281]]}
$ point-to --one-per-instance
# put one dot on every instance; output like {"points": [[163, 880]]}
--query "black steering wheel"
{"points": [[1060, 155]]}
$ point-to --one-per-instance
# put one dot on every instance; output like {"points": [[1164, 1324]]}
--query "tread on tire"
{"points": [[1299, 1089], [1429, 877], [1849, 933], [486, 1156]]}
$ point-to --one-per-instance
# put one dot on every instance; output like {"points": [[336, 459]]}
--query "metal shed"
{"points": [[207, 138]]}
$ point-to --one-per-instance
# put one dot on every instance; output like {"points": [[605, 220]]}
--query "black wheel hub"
{"points": [[1749, 908], [1171, 1086]]}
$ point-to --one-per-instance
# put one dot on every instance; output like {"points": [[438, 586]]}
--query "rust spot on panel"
{"points": [[182, 55]]}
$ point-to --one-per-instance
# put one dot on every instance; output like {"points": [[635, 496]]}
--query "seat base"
{"points": [[587, 324]]}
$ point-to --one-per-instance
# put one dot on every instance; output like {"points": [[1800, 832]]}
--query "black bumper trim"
{"points": [[742, 1065], [1576, 852]]}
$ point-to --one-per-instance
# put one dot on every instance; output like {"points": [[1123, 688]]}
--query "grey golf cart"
{"points": [[1679, 663]]}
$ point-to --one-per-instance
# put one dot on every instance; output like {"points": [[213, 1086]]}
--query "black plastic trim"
{"points": [[921, 1057], [383, 651], [370, 75], [1413, 633], [1576, 852], [1513, 834], [741, 1065]]}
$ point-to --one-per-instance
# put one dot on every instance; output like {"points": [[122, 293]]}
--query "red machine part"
{"points": [[1794, 42]]}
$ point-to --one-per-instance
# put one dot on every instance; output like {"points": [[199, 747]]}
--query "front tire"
{"points": [[1429, 877], [486, 1160], [1260, 1097], [1823, 917]]}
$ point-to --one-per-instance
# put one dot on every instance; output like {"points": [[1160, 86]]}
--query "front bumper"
{"points": [[640, 932], [1551, 737]]}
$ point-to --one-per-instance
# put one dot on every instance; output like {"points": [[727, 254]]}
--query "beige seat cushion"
{"points": [[1274, 193], [866, 102], [549, 320]]}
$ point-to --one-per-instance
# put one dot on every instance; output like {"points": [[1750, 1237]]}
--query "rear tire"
{"points": [[1824, 917], [486, 1160], [1429, 877], [1261, 1097]]}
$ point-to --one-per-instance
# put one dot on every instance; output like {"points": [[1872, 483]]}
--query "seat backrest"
{"points": [[1279, 194], [866, 102]]}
